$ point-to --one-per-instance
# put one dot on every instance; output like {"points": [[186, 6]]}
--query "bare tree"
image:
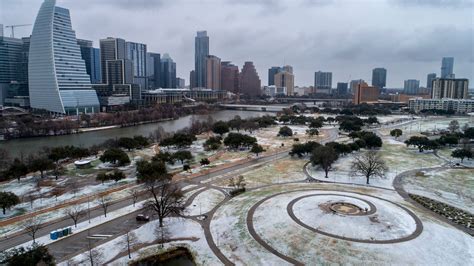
{"points": [[130, 240], [162, 234], [31, 197], [57, 191], [75, 212], [166, 198], [370, 164], [453, 126], [94, 255], [134, 193], [104, 202], [73, 185], [32, 226]]}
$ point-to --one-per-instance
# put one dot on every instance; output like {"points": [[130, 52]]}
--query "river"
{"points": [[86, 139]]}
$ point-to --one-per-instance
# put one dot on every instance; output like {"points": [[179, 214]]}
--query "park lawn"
{"points": [[452, 186]]}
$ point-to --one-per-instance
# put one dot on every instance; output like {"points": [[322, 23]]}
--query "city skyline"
{"points": [[336, 48]]}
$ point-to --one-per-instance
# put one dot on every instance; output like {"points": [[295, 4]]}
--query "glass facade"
{"points": [[201, 46], [58, 81], [168, 72]]}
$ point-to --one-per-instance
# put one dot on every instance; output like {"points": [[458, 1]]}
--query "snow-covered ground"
{"points": [[438, 244], [60, 212], [181, 232], [451, 186], [45, 240], [280, 171], [397, 156], [205, 202]]}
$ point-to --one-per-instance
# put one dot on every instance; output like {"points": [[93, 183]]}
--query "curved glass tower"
{"points": [[58, 81]]}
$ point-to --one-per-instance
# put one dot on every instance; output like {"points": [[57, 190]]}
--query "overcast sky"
{"points": [[346, 37]]}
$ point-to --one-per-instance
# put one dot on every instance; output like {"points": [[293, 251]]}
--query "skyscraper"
{"points": [[10, 58], [58, 81], [113, 55], [450, 88], [213, 72], [136, 52], [249, 80], [411, 86], [91, 57], [168, 72], [271, 74], [201, 51], [379, 77], [447, 66], [154, 70], [229, 77], [323, 81], [429, 80], [285, 79]]}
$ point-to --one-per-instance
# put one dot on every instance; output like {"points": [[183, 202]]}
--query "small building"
{"points": [[459, 106], [83, 164]]}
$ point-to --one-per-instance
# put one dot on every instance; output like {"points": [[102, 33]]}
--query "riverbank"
{"points": [[25, 146]]}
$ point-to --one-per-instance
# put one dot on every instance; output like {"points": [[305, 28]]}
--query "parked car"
{"points": [[142, 218]]}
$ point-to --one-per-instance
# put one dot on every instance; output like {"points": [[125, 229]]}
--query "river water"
{"points": [[86, 139]]}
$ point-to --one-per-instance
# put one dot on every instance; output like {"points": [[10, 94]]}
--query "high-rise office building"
{"points": [[288, 69], [229, 77], [429, 80], [213, 72], [271, 74], [379, 77], [450, 88], [10, 64], [323, 81], [249, 80], [136, 52], [342, 88], [113, 54], [411, 87], [285, 79], [58, 81], [201, 51], [91, 57], [447, 67], [154, 70], [168, 72]]}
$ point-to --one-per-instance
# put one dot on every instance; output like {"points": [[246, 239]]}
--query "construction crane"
{"points": [[16, 26]]}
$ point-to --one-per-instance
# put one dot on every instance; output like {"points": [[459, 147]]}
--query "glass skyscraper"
{"points": [[447, 66], [379, 77], [168, 72], [91, 57], [58, 81], [136, 52], [201, 45]]}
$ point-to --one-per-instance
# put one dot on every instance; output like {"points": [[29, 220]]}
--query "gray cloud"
{"points": [[435, 3], [343, 36]]}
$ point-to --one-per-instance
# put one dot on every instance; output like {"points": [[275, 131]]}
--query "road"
{"points": [[76, 243]]}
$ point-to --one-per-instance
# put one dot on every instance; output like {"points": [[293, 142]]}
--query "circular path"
{"points": [[351, 205]]}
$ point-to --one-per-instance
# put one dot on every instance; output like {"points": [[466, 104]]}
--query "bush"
{"points": [[205, 161], [285, 132], [115, 156], [213, 143], [236, 191]]}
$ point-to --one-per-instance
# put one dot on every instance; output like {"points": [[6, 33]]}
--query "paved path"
{"points": [[65, 248]]}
